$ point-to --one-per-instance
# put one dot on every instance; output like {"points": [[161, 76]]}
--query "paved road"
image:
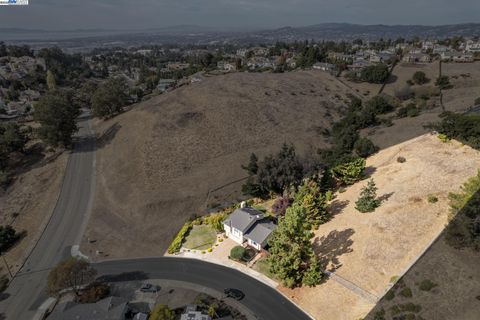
{"points": [[65, 228], [262, 300]]}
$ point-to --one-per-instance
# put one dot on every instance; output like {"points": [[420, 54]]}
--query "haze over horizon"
{"points": [[56, 15]]}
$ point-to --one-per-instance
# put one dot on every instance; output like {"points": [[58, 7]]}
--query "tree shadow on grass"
{"points": [[368, 172], [329, 248], [385, 197], [107, 136], [337, 206]]}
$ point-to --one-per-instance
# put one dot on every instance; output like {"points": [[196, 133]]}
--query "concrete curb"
{"points": [[46, 307]]}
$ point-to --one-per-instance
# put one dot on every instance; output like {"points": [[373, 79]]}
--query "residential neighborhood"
{"points": [[249, 167]]}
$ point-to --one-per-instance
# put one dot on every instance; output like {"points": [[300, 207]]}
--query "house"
{"points": [[164, 84], [196, 78], [359, 65], [341, 57], [191, 313], [227, 66], [416, 58], [427, 45], [439, 49], [472, 46], [111, 308], [457, 56], [247, 225], [324, 66], [381, 57]]}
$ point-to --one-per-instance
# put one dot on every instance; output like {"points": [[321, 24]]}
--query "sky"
{"points": [[247, 14]]}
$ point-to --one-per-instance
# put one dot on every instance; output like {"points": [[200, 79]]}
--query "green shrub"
{"points": [[401, 159], [406, 307], [390, 295], [237, 253], [375, 74], [406, 292], [8, 237], [432, 199], [209, 250], [3, 283], [215, 220], [176, 244], [368, 202], [426, 285], [410, 110], [379, 315], [364, 147], [5, 179], [443, 137], [393, 279], [350, 172], [443, 82], [419, 77]]}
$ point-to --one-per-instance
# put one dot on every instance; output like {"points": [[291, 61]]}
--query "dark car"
{"points": [[234, 293], [147, 287]]}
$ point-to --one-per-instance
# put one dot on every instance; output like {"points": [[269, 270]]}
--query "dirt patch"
{"points": [[367, 250], [29, 202], [165, 156]]}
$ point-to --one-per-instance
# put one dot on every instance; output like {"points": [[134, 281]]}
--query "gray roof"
{"points": [[243, 218], [260, 231], [111, 308]]}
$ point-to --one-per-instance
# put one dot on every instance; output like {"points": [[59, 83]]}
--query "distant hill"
{"points": [[346, 31], [187, 34]]}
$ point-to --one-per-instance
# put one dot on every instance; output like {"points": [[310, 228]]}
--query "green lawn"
{"points": [[200, 238], [262, 267]]}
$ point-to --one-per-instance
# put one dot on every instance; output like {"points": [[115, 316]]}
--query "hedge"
{"points": [[176, 244]]}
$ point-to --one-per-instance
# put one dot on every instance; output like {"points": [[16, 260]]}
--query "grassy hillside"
{"points": [[157, 163]]}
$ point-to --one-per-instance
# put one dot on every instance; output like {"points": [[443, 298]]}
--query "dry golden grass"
{"points": [[28, 204], [368, 249], [159, 161]]}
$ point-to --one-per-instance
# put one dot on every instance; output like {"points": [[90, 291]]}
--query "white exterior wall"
{"points": [[254, 244], [233, 234]]}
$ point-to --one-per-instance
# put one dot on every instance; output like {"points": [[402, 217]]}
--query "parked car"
{"points": [[148, 287], [234, 293]]}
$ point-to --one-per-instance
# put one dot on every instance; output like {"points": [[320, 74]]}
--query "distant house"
{"points": [[416, 58], [226, 66], [111, 308], [247, 225], [457, 56], [382, 57], [324, 66], [196, 78], [472, 46], [191, 313], [164, 84], [359, 65], [427, 45], [439, 49]]}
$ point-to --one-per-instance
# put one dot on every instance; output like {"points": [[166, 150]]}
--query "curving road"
{"points": [[265, 302], [64, 230], [27, 290]]}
